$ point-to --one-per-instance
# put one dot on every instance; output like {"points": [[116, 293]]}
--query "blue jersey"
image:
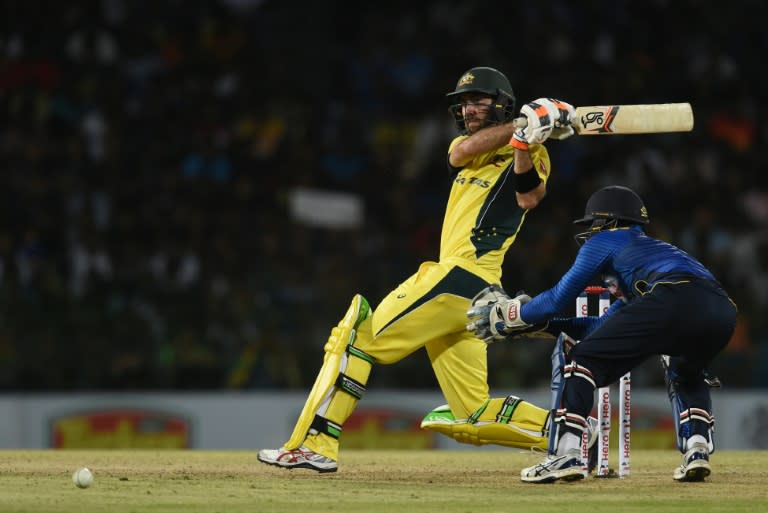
{"points": [[625, 258]]}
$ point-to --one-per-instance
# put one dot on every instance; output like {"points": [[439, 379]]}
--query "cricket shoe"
{"points": [[566, 468], [695, 465], [297, 458]]}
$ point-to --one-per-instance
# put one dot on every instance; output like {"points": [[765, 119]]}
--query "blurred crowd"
{"points": [[148, 151]]}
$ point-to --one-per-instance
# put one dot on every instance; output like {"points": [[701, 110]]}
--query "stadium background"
{"points": [[151, 154]]}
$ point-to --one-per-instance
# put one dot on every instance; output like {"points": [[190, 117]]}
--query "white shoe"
{"points": [[695, 466], [553, 468], [297, 458]]}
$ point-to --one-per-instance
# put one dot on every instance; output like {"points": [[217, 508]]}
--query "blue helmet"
{"points": [[614, 202], [609, 207]]}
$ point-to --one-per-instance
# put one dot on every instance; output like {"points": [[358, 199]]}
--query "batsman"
{"points": [[498, 175]]}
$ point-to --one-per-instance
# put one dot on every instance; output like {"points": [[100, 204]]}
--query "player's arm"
{"points": [[542, 116], [590, 261], [507, 316], [580, 327], [530, 188], [484, 140]]}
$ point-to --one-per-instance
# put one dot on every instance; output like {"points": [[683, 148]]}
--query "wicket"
{"points": [[604, 403]]}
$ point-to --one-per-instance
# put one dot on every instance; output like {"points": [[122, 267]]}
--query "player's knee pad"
{"points": [[578, 396], [685, 391], [573, 370], [510, 421], [559, 359], [558, 362], [564, 421], [692, 421], [563, 345], [573, 421], [340, 382], [697, 421]]}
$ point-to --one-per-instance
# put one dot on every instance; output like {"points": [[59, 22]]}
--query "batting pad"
{"points": [[509, 421], [338, 386]]}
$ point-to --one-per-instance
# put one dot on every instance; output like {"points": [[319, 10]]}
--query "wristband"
{"points": [[528, 181], [518, 144]]}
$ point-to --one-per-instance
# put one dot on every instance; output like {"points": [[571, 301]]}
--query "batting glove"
{"points": [[564, 123], [544, 117]]}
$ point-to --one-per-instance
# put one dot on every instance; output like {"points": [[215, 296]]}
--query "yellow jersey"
{"points": [[482, 218]]}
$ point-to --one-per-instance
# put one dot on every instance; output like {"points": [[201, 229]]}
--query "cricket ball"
{"points": [[82, 477]]}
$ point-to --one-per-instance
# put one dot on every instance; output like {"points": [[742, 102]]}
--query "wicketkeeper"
{"points": [[669, 304], [498, 174]]}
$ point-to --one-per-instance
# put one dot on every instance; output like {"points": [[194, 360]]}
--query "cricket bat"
{"points": [[630, 119]]}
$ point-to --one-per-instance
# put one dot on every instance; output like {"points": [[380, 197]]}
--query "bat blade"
{"points": [[634, 119], [630, 119]]}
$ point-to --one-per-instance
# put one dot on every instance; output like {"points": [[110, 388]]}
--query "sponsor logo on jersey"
{"points": [[461, 180]]}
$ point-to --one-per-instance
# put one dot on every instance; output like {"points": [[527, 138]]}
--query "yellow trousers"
{"points": [[427, 310]]}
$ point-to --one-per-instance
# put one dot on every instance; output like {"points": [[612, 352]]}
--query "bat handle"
{"points": [[522, 122]]}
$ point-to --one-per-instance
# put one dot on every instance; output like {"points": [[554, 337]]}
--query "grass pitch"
{"points": [[367, 481]]}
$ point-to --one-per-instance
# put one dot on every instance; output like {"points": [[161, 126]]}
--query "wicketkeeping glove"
{"points": [[504, 317], [489, 325], [534, 331], [480, 310]]}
